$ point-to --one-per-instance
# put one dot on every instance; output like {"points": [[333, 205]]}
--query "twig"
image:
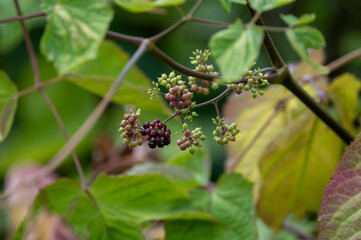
{"points": [[169, 30], [23, 17], [40, 85], [340, 62], [35, 68], [298, 232], [210, 22], [125, 38]]}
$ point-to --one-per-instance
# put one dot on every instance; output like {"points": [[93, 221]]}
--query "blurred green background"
{"points": [[35, 135]]}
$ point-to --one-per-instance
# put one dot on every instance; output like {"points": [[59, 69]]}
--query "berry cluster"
{"points": [[224, 133], [255, 81], [130, 129], [199, 85], [156, 133], [178, 94], [191, 139]]}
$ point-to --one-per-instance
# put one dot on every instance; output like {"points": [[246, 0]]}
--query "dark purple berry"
{"points": [[161, 125], [156, 121], [160, 133], [129, 133], [168, 131], [166, 135], [147, 137], [147, 131], [167, 96], [153, 133], [152, 124], [188, 103], [152, 144], [143, 132], [157, 140], [146, 125], [161, 144]]}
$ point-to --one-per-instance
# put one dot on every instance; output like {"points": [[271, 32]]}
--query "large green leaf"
{"points": [[11, 33], [98, 75], [146, 5], [178, 175], [304, 37], [74, 30], [232, 204], [115, 207], [235, 49], [8, 103], [339, 216], [199, 164], [265, 5], [340, 89]]}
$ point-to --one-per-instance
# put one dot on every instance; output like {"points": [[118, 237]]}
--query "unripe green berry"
{"points": [[194, 114], [260, 92], [172, 74], [254, 95], [121, 129], [185, 126]]}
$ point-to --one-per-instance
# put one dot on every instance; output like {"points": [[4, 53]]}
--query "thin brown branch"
{"points": [[40, 85], [340, 62], [169, 30], [23, 17], [210, 22], [125, 38], [35, 68]]}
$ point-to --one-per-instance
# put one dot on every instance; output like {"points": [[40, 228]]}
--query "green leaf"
{"points": [[292, 20], [146, 5], [242, 2], [339, 214], [236, 48], [8, 104], [199, 164], [115, 207], [226, 4], [98, 75], [178, 175], [232, 204], [343, 93], [74, 30], [305, 37], [11, 33], [265, 5]]}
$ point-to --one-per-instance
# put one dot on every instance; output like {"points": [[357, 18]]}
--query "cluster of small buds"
{"points": [[130, 129], [255, 81], [191, 139], [199, 59], [178, 94], [188, 114], [156, 133], [153, 91], [224, 133]]}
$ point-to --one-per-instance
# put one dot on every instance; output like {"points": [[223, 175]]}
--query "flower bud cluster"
{"points": [[199, 59], [255, 82], [191, 139], [224, 133], [178, 94], [130, 129]]}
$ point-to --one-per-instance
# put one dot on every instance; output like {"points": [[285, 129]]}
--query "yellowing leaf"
{"points": [[8, 103], [343, 93], [289, 153]]}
